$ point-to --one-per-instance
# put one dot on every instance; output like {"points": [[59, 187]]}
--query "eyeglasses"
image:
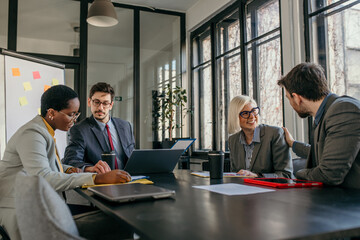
{"points": [[73, 116], [247, 114], [97, 103]]}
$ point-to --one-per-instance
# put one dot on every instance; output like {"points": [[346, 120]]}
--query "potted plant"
{"points": [[165, 106]]}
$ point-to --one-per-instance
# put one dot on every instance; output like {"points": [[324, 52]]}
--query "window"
{"points": [[254, 73], [334, 33], [264, 53], [202, 101]]}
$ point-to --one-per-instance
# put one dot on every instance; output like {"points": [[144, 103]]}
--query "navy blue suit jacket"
{"points": [[87, 142]]}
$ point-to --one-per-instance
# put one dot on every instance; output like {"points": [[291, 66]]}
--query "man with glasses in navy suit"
{"points": [[99, 133]]}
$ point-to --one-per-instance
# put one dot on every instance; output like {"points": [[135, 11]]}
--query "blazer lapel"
{"points": [[331, 99], [256, 148], [121, 133], [99, 135]]}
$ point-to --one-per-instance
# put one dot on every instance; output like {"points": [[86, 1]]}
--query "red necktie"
{"points": [[111, 143]]}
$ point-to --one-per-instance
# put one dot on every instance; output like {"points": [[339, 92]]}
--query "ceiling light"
{"points": [[102, 14]]}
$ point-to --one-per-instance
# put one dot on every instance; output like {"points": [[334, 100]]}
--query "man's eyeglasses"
{"points": [[72, 116], [247, 114], [97, 103]]}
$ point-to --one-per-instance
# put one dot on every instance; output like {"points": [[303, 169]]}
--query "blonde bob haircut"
{"points": [[236, 106]]}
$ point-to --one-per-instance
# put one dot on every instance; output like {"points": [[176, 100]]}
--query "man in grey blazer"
{"points": [[90, 137], [333, 153]]}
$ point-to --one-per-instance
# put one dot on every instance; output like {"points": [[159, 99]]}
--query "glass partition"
{"points": [[159, 66], [44, 28], [110, 59], [4, 23]]}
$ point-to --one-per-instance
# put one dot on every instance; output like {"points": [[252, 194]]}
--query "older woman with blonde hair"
{"points": [[256, 150]]}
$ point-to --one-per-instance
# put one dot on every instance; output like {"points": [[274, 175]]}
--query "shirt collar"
{"points": [[256, 137], [321, 109], [49, 128], [102, 125]]}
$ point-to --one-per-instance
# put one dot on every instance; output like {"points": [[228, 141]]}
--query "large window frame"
{"points": [[316, 13], [219, 139]]}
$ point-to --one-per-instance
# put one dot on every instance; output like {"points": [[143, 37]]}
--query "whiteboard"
{"points": [[25, 82]]}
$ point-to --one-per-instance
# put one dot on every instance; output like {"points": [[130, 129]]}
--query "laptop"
{"points": [[143, 161], [131, 192], [183, 144]]}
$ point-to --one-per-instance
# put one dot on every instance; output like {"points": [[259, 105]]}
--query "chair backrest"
{"points": [[41, 213], [298, 164]]}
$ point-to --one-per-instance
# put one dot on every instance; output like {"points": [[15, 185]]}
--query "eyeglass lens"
{"points": [[247, 114], [97, 103]]}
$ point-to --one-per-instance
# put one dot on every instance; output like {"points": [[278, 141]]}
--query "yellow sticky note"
{"points": [[39, 111], [55, 82], [15, 72], [23, 101], [27, 86]]}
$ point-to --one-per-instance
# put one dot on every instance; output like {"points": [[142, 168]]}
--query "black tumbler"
{"points": [[109, 158], [216, 164]]}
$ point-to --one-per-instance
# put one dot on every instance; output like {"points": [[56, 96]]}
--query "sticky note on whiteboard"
{"points": [[46, 87], [36, 75], [23, 101], [27, 86], [55, 82], [15, 72]]}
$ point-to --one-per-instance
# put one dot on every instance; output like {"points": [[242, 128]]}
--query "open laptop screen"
{"points": [[183, 143]]}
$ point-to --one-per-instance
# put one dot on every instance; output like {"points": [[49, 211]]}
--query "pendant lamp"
{"points": [[102, 14]]}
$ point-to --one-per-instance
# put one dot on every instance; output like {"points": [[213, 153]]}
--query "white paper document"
{"points": [[233, 189]]}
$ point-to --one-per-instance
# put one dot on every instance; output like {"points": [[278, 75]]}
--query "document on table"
{"points": [[206, 174], [231, 189]]}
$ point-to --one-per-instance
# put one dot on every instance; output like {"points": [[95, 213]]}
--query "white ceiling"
{"points": [[175, 5]]}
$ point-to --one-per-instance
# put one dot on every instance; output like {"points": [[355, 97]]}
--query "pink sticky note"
{"points": [[16, 72], [36, 75]]}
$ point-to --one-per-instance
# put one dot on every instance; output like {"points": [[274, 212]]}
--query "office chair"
{"points": [[40, 211]]}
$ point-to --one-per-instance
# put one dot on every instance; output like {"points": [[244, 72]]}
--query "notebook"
{"points": [[283, 182], [146, 161], [131, 192]]}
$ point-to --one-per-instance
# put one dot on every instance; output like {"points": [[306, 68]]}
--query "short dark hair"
{"points": [[306, 79], [57, 97], [102, 87]]}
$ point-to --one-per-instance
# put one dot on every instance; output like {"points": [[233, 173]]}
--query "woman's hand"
{"points": [[114, 176], [247, 173], [288, 138], [100, 167]]}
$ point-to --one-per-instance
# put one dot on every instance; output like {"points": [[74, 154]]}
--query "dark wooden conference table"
{"points": [[303, 213]]}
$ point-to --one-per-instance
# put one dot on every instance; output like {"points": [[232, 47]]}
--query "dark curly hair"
{"points": [[57, 97]]}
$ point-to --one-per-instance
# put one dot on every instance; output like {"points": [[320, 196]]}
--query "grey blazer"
{"points": [[271, 156], [336, 145], [32, 149]]}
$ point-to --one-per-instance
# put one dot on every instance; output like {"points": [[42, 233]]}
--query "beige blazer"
{"points": [[336, 145], [32, 149], [271, 156]]}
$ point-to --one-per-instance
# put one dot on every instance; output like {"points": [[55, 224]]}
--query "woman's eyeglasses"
{"points": [[247, 114], [97, 103], [72, 116]]}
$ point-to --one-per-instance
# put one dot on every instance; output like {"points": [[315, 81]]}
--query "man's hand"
{"points": [[114, 176], [100, 167], [247, 173], [288, 138]]}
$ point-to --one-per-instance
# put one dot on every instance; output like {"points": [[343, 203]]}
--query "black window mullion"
{"points": [[214, 88]]}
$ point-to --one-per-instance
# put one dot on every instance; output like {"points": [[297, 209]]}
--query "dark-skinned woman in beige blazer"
{"points": [[256, 150]]}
